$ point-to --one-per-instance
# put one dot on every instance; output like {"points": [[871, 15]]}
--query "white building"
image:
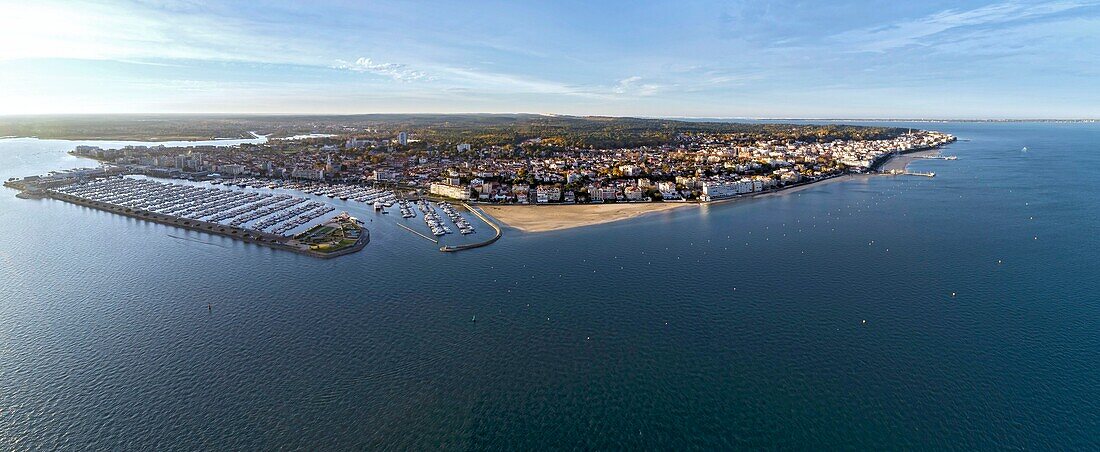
{"points": [[450, 191], [547, 193], [382, 175], [726, 189], [464, 147], [356, 143], [231, 170], [402, 138]]}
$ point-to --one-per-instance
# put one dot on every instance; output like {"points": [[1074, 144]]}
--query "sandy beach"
{"points": [[552, 218], [534, 218], [901, 162]]}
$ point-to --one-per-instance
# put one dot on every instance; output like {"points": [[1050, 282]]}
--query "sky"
{"points": [[762, 59]]}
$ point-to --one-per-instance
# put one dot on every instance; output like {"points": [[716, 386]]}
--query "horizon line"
{"points": [[669, 117]]}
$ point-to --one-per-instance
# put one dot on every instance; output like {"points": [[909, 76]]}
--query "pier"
{"points": [[495, 237], [414, 231], [909, 173]]}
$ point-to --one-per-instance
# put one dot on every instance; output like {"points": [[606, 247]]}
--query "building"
{"points": [[383, 176], [464, 147], [633, 193], [522, 193], [725, 189], [402, 138], [356, 143], [231, 170], [687, 181], [630, 170], [608, 193], [450, 191], [307, 173], [547, 193]]}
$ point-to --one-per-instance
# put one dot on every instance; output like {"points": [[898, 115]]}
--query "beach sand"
{"points": [[534, 218], [901, 162], [556, 217]]}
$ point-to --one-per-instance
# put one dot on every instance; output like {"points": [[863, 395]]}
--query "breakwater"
{"points": [[494, 238]]}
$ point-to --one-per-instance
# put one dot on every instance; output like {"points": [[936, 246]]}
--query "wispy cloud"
{"points": [[634, 86], [496, 81], [920, 31], [399, 72]]}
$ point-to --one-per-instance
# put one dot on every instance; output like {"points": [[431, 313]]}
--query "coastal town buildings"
{"points": [[691, 167]]}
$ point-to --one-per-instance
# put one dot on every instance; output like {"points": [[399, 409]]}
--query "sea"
{"points": [[956, 312]]}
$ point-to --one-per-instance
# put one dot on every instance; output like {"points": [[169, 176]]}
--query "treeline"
{"points": [[605, 132], [476, 129]]}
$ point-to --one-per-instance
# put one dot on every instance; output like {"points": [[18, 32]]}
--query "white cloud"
{"points": [[399, 72], [633, 86]]}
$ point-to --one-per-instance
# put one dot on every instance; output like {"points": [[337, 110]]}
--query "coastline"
{"points": [[533, 218]]}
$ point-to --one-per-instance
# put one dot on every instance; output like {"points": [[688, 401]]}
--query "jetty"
{"points": [[469, 246], [899, 172]]}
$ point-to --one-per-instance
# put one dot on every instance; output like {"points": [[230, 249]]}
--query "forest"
{"points": [[477, 129]]}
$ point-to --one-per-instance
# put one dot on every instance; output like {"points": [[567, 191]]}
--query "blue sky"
{"points": [[837, 59]]}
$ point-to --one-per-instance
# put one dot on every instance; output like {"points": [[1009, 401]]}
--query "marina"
{"points": [[263, 218], [268, 211]]}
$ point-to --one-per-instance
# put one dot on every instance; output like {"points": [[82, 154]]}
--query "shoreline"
{"points": [[568, 216], [560, 217]]}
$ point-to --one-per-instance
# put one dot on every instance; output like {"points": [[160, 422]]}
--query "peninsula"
{"points": [[533, 173]]}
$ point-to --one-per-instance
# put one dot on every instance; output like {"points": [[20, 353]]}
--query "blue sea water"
{"points": [[822, 318]]}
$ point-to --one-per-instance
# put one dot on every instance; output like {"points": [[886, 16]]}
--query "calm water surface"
{"points": [[730, 326]]}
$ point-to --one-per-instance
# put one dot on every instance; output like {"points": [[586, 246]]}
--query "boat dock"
{"points": [[495, 237], [259, 218], [414, 231]]}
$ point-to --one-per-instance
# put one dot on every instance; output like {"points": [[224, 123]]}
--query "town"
{"points": [[692, 167]]}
